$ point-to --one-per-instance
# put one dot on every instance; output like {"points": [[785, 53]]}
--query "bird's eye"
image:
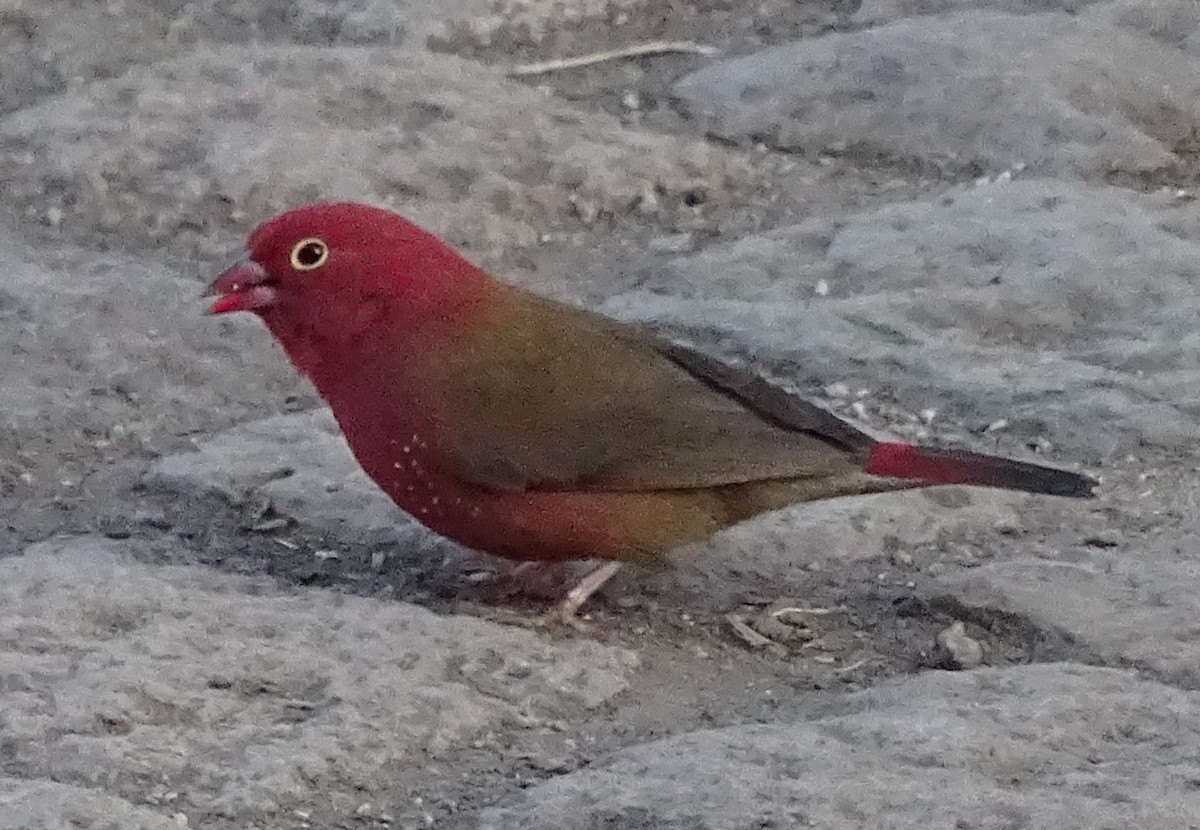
{"points": [[309, 254]]}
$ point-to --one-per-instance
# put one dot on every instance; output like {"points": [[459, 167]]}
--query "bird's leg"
{"points": [[516, 571], [577, 596], [532, 578]]}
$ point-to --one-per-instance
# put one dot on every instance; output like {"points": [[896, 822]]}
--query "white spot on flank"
{"points": [[396, 464], [409, 488], [424, 510], [407, 448], [433, 500]]}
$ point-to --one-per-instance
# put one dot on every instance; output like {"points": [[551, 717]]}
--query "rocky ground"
{"points": [[966, 221]]}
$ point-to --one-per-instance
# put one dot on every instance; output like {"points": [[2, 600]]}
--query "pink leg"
{"points": [[516, 571], [577, 596]]}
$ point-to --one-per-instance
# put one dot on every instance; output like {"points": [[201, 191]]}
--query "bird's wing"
{"points": [[556, 398]]}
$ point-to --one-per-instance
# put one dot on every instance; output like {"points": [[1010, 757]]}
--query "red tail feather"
{"points": [[937, 466]]}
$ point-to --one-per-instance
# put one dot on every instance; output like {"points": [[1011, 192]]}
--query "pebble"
{"points": [[961, 651]]}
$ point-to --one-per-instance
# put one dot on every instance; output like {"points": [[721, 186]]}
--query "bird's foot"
{"points": [[541, 580], [567, 611]]}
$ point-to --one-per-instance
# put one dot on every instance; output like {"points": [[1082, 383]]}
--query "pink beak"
{"points": [[244, 286]]}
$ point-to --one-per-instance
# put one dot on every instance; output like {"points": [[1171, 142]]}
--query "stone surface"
{"points": [[876, 12], [46, 52], [147, 339], [1041, 747], [237, 696], [850, 214], [302, 465], [1058, 99], [178, 151], [1136, 604], [1174, 23], [1063, 310], [46, 805]]}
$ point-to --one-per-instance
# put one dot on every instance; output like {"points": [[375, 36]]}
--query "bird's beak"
{"points": [[244, 286]]}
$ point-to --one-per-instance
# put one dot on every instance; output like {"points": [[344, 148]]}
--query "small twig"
{"points": [[658, 47], [748, 635], [794, 609], [302, 705], [857, 664]]}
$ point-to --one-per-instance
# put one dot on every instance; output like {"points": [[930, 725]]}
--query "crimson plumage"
{"points": [[536, 430]]}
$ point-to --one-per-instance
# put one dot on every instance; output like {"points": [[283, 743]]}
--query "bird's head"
{"points": [[329, 270]]}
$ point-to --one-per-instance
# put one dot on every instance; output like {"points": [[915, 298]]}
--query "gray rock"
{"points": [[875, 12], [1046, 747], [1136, 603], [1064, 310], [109, 352], [301, 464], [146, 338], [187, 158], [1175, 23], [238, 696], [959, 649], [845, 536], [46, 51], [1058, 97], [49, 805]]}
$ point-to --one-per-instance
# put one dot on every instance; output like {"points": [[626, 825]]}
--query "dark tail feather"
{"points": [[937, 466]]}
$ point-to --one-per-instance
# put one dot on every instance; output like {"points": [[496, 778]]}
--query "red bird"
{"points": [[536, 431]]}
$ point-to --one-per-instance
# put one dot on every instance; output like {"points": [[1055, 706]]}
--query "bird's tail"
{"points": [[937, 466]]}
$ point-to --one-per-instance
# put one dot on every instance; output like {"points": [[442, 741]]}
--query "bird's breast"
{"points": [[407, 469], [397, 446]]}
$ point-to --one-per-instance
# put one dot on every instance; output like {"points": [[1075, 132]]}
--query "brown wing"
{"points": [[552, 397]]}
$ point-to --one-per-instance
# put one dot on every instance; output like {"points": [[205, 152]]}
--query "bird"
{"points": [[539, 431]]}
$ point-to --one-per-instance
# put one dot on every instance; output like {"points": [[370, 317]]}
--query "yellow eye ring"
{"points": [[309, 254]]}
